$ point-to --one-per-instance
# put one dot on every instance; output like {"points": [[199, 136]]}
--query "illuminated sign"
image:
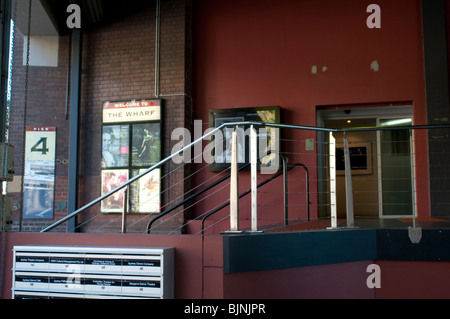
{"points": [[131, 111]]}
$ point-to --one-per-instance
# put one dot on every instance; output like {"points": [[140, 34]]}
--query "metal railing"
{"points": [[210, 133], [284, 171], [188, 199], [144, 173], [286, 168]]}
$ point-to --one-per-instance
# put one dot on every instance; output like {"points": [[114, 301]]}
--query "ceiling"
{"points": [[48, 17], [40, 22]]}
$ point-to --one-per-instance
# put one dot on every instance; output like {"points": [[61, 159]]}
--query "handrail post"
{"points": [[348, 185], [332, 168], [234, 186], [414, 232], [413, 176], [125, 209], [285, 191], [254, 182], [307, 190]]}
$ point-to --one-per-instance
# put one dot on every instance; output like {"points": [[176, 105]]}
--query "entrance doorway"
{"points": [[381, 162]]}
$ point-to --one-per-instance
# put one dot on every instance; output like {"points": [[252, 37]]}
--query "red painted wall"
{"points": [[347, 280], [251, 53], [397, 279], [262, 53], [196, 258], [411, 280], [199, 271]]}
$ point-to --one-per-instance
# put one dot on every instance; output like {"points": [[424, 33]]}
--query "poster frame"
{"points": [[153, 203], [366, 158], [114, 203], [132, 166], [219, 116], [39, 173]]}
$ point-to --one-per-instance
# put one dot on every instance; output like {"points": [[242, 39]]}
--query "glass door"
{"points": [[394, 163]]}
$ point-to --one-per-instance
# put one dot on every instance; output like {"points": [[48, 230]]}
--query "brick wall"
{"points": [[118, 63], [46, 106]]}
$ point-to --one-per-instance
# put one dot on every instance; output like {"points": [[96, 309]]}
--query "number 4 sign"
{"points": [[39, 174], [40, 144]]}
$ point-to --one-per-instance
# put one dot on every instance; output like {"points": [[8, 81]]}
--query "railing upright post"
{"points": [[125, 209], [414, 232], [234, 186], [332, 168], [348, 185], [254, 182], [413, 176], [285, 192]]}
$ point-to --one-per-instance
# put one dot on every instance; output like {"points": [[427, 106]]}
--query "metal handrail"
{"points": [[282, 172], [203, 190], [212, 132], [140, 175]]}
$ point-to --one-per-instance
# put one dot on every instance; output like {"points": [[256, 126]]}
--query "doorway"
{"points": [[381, 162]]}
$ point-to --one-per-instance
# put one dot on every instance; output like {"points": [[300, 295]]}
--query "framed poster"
{"points": [[131, 142], [39, 173], [146, 144], [146, 193], [268, 137], [225, 155], [360, 158], [110, 180], [115, 145]]}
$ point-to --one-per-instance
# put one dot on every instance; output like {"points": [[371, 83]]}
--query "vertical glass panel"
{"points": [[396, 168]]}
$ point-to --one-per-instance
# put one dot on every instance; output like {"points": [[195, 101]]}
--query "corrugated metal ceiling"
{"points": [[94, 13]]}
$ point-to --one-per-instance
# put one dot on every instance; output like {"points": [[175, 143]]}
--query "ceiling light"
{"points": [[397, 122]]}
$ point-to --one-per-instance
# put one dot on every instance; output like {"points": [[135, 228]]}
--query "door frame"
{"points": [[357, 112]]}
